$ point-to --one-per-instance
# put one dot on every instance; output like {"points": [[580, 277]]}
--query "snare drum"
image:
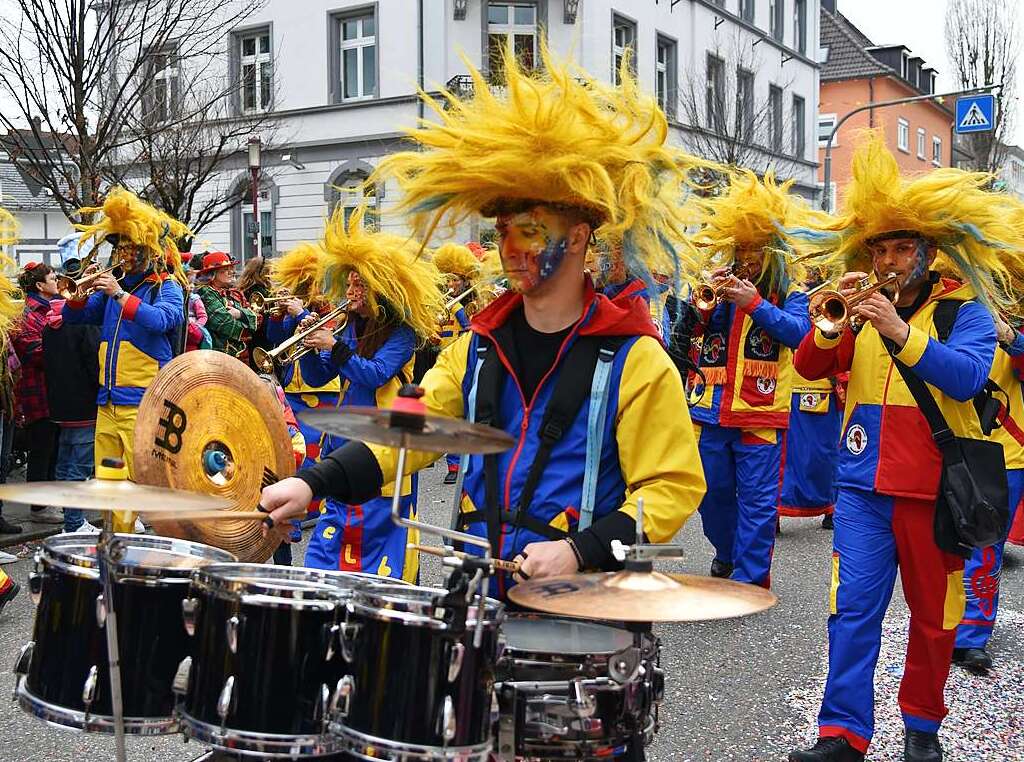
{"points": [[571, 689], [265, 657], [62, 675], [414, 688]]}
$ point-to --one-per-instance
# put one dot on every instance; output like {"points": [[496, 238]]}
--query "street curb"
{"points": [[8, 540]]}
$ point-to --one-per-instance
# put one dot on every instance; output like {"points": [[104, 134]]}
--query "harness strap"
{"points": [[595, 433]]}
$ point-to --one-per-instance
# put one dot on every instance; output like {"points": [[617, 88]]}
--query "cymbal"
{"points": [[439, 434], [208, 424], [630, 596], [111, 495]]}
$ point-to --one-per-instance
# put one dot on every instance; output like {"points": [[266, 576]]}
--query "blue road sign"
{"points": [[975, 113]]}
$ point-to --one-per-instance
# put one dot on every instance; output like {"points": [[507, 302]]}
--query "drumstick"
{"points": [[499, 563], [207, 515]]}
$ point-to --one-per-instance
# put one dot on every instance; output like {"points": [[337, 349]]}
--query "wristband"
{"points": [[120, 292], [575, 552]]}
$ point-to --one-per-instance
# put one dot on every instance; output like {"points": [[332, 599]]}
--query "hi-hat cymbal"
{"points": [[111, 495], [630, 596], [379, 426], [208, 424]]}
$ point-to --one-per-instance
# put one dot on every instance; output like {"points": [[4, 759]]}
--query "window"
{"points": [[775, 22], [665, 75], [775, 109], [903, 135], [744, 105], [166, 78], [257, 70], [826, 123], [936, 151], [623, 39], [357, 58], [747, 10], [351, 198], [716, 93], [800, 26], [512, 24], [921, 143], [799, 126]]}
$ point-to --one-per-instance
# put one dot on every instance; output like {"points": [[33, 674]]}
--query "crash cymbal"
{"points": [[111, 495], [438, 434], [631, 596], [208, 424]]}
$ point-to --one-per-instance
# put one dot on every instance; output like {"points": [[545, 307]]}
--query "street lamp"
{"points": [[254, 169]]}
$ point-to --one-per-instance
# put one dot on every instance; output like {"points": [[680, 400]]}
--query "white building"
{"points": [[1012, 172], [340, 79], [41, 223]]}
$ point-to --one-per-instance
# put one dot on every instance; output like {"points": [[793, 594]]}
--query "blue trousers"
{"points": [[738, 511], [981, 580], [364, 538], [811, 458], [75, 462], [874, 535]]}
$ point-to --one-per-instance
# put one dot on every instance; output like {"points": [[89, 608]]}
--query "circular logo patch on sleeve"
{"points": [[856, 439]]}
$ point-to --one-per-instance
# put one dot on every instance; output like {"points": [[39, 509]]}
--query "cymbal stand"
{"points": [[641, 556], [110, 550]]}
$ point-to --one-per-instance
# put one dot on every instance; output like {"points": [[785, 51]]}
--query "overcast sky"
{"points": [[918, 24]]}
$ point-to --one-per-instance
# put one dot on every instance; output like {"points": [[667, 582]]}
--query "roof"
{"points": [[848, 57], [19, 191]]}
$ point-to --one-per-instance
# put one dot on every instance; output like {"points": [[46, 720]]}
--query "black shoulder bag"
{"points": [[972, 509]]}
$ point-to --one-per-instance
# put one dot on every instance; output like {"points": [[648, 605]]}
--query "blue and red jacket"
{"points": [[135, 342], [30, 394]]}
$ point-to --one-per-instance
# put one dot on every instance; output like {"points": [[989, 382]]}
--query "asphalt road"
{"points": [[744, 689]]}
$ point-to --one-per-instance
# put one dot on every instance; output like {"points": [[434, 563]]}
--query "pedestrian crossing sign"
{"points": [[975, 113]]}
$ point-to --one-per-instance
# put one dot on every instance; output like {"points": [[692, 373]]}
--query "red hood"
{"points": [[626, 315]]}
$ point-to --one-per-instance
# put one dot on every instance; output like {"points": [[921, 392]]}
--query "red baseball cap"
{"points": [[217, 260]]}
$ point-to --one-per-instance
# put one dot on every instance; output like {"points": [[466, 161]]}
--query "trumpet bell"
{"points": [[828, 310], [262, 359], [705, 297]]}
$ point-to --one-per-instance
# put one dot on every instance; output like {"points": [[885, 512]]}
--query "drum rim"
{"points": [[65, 717], [52, 552], [254, 742], [573, 654], [352, 741], [258, 588], [378, 603]]}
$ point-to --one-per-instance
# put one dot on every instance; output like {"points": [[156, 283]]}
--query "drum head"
{"points": [[292, 582], [144, 555], [542, 634]]}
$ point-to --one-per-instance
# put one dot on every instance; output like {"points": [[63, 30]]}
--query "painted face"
{"points": [[750, 262], [131, 257], [907, 257], [356, 294], [456, 284], [532, 246]]}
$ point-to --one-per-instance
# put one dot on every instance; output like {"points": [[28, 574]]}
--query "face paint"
{"points": [[533, 246], [921, 266], [356, 294]]}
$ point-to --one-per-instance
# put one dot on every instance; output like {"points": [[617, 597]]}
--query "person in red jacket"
{"points": [[38, 281]]}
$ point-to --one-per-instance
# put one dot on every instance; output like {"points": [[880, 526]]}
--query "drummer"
{"points": [[549, 182], [393, 302]]}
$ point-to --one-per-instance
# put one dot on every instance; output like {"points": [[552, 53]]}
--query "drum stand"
{"points": [[109, 551]]}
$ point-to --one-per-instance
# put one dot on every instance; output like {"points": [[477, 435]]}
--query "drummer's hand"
{"points": [[288, 499], [545, 559]]}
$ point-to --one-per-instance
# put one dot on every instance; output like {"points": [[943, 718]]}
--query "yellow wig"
{"points": [[557, 136], [10, 309], [297, 270], [127, 216], [456, 259], [978, 233], [390, 267], [754, 214]]}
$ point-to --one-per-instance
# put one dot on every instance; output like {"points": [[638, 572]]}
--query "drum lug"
{"points": [[347, 637], [101, 610], [89, 689], [332, 635], [232, 626], [458, 653], [323, 705], [35, 586], [581, 703], [657, 684], [624, 665], [182, 677], [448, 726], [342, 697], [506, 746], [189, 607], [22, 664], [224, 702]]}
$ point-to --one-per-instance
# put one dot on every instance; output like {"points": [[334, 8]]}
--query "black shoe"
{"points": [[974, 660], [922, 747], [9, 595], [7, 527], [721, 569], [831, 749], [451, 477], [827, 523]]}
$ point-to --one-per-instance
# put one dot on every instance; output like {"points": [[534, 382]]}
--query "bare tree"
{"points": [[728, 122], [79, 73], [983, 42]]}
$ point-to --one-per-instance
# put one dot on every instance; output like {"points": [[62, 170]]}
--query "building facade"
{"points": [[41, 223], [854, 73], [339, 80]]}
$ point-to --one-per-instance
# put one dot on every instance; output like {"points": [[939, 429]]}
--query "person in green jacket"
{"points": [[228, 318]]}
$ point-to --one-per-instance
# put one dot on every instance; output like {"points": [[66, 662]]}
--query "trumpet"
{"points": [[292, 350], [261, 303], [830, 310], [706, 296], [69, 287]]}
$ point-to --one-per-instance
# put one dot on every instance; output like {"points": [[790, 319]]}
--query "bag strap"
{"points": [[595, 431], [944, 316]]}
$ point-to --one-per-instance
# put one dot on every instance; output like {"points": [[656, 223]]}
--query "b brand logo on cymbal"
{"points": [[553, 589], [174, 423]]}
